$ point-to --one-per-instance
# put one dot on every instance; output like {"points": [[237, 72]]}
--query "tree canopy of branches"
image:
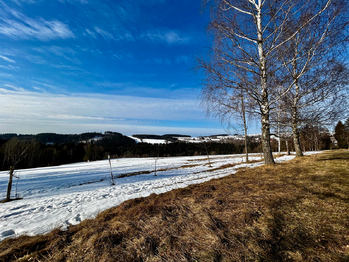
{"points": [[248, 54], [315, 66]]}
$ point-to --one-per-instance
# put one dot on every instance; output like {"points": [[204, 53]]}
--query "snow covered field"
{"points": [[65, 195]]}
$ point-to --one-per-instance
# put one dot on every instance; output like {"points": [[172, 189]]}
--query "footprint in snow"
{"points": [[7, 233]]}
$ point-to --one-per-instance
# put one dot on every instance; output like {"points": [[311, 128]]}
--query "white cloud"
{"points": [[121, 35], [41, 30], [5, 75], [42, 86], [18, 26], [103, 33], [165, 36], [10, 67], [39, 89], [43, 111], [20, 89], [7, 59], [91, 33]]}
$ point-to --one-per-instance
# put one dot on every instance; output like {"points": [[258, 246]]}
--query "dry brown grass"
{"points": [[215, 158], [296, 211], [153, 171], [179, 167], [229, 166]]}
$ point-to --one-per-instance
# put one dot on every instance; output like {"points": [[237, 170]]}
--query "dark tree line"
{"points": [[40, 154], [56, 149], [185, 149]]}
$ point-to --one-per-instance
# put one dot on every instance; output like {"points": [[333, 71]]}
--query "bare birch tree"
{"points": [[230, 109], [250, 37], [313, 60], [247, 35]]}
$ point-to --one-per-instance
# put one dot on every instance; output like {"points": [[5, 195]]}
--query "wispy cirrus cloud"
{"points": [[16, 25], [39, 89], [6, 75], [57, 50], [165, 36], [34, 59], [20, 89], [10, 67], [19, 2], [91, 33], [105, 34], [125, 55], [42, 86], [120, 34], [7, 59], [61, 52]]}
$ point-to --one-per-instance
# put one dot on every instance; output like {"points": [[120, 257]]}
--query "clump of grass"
{"points": [[134, 174], [296, 211], [152, 171], [179, 167], [230, 166]]}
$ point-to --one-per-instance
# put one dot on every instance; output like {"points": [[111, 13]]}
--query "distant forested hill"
{"points": [[50, 149], [54, 138]]}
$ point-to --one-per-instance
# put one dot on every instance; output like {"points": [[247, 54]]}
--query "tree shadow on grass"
{"points": [[300, 236]]}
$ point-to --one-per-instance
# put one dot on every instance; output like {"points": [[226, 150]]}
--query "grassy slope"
{"points": [[296, 211]]}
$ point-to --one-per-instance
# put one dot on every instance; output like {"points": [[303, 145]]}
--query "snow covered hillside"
{"points": [[65, 195]]}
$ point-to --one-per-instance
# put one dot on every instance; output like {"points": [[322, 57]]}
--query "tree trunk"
{"points": [[266, 146], [297, 144], [294, 116], [9, 186], [246, 147], [245, 126], [287, 148], [208, 156], [278, 122]]}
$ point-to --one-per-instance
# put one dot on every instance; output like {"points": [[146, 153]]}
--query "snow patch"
{"points": [[56, 197]]}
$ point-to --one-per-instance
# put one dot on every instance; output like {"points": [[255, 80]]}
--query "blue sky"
{"points": [[73, 66]]}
